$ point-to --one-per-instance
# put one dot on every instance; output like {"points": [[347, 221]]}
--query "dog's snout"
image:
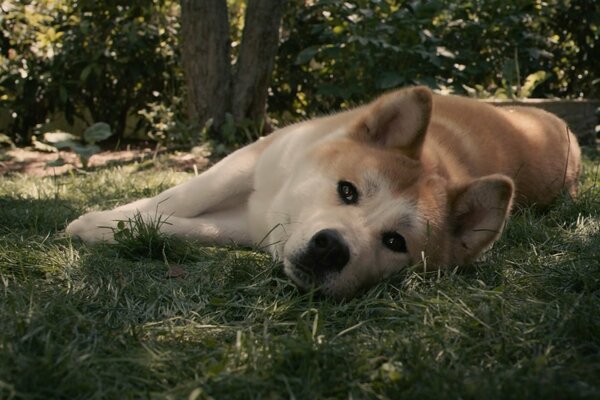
{"points": [[328, 251]]}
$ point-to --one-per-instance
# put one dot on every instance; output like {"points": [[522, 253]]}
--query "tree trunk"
{"points": [[257, 55], [206, 59], [213, 90]]}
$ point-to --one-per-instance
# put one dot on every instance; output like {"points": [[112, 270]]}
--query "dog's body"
{"points": [[348, 199]]}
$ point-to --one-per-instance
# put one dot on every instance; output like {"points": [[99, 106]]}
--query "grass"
{"points": [[128, 321]]}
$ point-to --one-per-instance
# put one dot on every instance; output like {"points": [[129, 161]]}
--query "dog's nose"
{"points": [[327, 252]]}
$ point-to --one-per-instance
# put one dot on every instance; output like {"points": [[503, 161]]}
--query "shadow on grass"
{"points": [[35, 216]]}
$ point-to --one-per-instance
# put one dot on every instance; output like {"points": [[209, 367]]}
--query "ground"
{"points": [[153, 317], [32, 162]]}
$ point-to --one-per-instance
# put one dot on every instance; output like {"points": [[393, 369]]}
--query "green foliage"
{"points": [[95, 61], [335, 54], [84, 148], [27, 44], [233, 135], [165, 123], [119, 61], [6, 141], [121, 54], [139, 237]]}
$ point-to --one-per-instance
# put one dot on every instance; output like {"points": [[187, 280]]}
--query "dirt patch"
{"points": [[32, 162]]}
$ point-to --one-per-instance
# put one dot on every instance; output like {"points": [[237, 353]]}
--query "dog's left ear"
{"points": [[398, 119], [478, 212]]}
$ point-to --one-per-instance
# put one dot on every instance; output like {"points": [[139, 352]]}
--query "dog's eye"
{"points": [[347, 192], [394, 241]]}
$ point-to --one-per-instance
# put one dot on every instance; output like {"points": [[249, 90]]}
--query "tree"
{"points": [[217, 87]]}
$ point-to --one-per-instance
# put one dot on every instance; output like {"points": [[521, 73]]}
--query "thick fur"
{"points": [[438, 173]]}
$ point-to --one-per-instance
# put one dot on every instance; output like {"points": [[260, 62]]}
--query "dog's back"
{"points": [[469, 139]]}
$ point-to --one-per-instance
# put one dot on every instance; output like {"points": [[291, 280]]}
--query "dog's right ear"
{"points": [[398, 119]]}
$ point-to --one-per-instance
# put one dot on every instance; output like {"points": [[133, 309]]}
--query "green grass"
{"points": [[128, 321]]}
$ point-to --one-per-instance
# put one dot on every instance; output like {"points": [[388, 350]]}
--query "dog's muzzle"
{"points": [[327, 252]]}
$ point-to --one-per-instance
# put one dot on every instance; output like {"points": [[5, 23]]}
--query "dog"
{"points": [[349, 199]]}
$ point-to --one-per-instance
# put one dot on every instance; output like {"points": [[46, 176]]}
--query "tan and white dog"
{"points": [[349, 199]]}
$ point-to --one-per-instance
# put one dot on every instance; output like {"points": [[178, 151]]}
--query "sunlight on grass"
{"points": [[116, 322]]}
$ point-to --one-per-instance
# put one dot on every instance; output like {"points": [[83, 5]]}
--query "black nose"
{"points": [[327, 251]]}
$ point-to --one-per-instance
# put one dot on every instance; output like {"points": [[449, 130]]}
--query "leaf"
{"points": [[40, 146], [67, 144], [389, 80], [86, 151], [444, 52], [97, 132], [306, 55], [532, 81], [85, 72], [339, 29], [59, 136], [539, 53], [61, 140], [4, 139], [472, 92]]}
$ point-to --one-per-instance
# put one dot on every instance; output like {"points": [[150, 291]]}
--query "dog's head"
{"points": [[366, 204]]}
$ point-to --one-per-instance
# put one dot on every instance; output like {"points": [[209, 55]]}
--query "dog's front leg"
{"points": [[221, 227], [224, 186]]}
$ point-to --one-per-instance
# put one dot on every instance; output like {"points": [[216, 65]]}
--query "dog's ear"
{"points": [[398, 119], [478, 212]]}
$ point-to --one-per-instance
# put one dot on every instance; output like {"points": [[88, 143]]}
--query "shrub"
{"points": [[113, 60], [335, 54], [96, 61]]}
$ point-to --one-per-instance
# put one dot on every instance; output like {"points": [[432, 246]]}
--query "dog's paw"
{"points": [[94, 227]]}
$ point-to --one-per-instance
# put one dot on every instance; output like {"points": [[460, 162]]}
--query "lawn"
{"points": [[163, 318]]}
